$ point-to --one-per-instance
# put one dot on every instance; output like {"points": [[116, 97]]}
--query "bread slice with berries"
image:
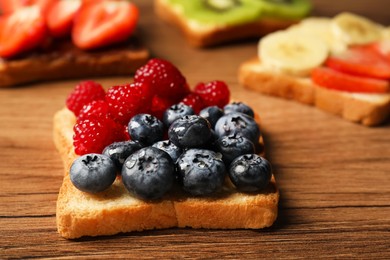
{"points": [[209, 23], [64, 61], [340, 65], [115, 210]]}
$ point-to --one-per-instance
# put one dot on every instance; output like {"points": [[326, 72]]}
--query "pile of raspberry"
{"points": [[103, 116]]}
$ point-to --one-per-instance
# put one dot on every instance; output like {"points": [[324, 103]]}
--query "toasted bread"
{"points": [[116, 210], [62, 60], [367, 109], [199, 35]]}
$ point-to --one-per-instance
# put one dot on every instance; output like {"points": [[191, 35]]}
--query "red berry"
{"points": [[159, 105], [214, 93], [195, 101], [165, 79], [84, 93], [125, 101], [93, 135], [97, 108]]}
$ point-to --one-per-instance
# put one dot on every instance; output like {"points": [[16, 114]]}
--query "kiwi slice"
{"points": [[285, 9], [219, 12]]}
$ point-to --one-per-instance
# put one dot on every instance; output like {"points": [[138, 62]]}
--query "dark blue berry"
{"points": [[170, 148], [190, 132], [201, 171], [250, 172], [148, 173], [239, 107], [146, 129], [232, 146], [212, 114], [92, 172], [119, 151], [239, 124], [175, 112]]}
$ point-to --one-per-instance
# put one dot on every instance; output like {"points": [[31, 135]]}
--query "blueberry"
{"points": [[190, 132], [119, 151], [232, 146], [240, 124], [146, 129], [92, 172], [148, 173], [212, 114], [175, 112], [201, 171], [250, 172], [239, 107], [170, 148]]}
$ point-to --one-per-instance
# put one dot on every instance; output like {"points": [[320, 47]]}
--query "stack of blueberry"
{"points": [[199, 152]]}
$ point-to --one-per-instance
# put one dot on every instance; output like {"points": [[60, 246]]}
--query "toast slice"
{"points": [[63, 60], [367, 109], [199, 35], [116, 210]]}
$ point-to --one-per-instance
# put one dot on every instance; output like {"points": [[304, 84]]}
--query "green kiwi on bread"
{"points": [[212, 22]]}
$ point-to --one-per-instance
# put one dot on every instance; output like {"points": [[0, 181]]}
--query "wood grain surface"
{"points": [[334, 175]]}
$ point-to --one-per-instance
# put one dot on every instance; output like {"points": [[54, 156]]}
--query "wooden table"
{"points": [[334, 175]]}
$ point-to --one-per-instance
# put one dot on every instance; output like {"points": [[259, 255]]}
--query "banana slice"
{"points": [[320, 27], [386, 33], [292, 53], [354, 29]]}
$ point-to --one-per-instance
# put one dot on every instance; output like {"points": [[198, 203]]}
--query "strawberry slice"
{"points": [[22, 30], [9, 6], [60, 17], [102, 23], [382, 48], [360, 61], [333, 79]]}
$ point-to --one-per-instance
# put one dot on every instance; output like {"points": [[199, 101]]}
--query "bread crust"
{"points": [[64, 61], [116, 210], [367, 109], [207, 37]]}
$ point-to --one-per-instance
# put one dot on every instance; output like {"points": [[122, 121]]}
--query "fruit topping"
{"points": [[60, 17], [190, 132], [164, 78], [146, 129], [95, 109], [354, 29], [103, 23], [9, 6], [175, 112], [287, 9], [201, 172], [148, 173], [238, 124], [212, 114], [213, 93], [119, 151], [250, 172], [360, 61], [126, 101], [21, 31], [240, 108], [333, 79], [93, 135], [292, 54], [84, 93], [168, 147], [232, 146], [92, 173], [221, 5], [194, 101]]}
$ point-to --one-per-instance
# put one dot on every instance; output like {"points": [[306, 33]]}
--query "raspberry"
{"points": [[214, 93], [165, 79], [84, 93], [159, 105], [93, 135], [125, 101], [97, 108], [195, 101]]}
